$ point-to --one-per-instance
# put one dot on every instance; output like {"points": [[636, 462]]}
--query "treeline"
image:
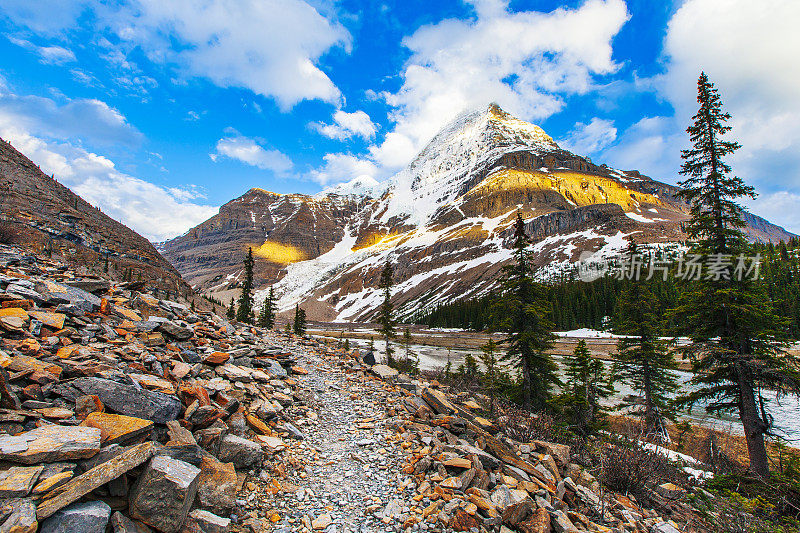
{"points": [[575, 304]]}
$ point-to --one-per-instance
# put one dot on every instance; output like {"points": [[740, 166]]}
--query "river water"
{"points": [[786, 410]]}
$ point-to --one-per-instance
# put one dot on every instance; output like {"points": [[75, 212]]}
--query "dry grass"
{"points": [[709, 446]]}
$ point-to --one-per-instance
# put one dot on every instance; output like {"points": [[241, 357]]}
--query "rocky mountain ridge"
{"points": [[443, 221], [46, 217]]}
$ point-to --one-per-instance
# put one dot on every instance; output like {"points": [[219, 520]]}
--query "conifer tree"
{"points": [[231, 313], [299, 321], [407, 342], [266, 318], [386, 314], [643, 359], [738, 350], [347, 345], [586, 384], [490, 373], [246, 313], [522, 311]]}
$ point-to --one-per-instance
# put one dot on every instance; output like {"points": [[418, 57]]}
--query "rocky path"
{"points": [[347, 468]]}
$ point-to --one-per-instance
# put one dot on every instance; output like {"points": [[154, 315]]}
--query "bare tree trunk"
{"points": [[527, 401], [754, 427]]}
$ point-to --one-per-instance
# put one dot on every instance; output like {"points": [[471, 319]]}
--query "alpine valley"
{"points": [[443, 221]]}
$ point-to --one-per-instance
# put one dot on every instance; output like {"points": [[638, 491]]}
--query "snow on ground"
{"points": [[639, 218], [586, 333]]}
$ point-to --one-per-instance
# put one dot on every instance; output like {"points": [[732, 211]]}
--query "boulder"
{"points": [[241, 452], [18, 515], [164, 493], [95, 477], [131, 399], [384, 371], [118, 429], [49, 444], [201, 521], [87, 517], [176, 331], [216, 488], [18, 481]]}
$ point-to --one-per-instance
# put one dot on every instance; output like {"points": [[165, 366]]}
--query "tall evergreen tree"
{"points": [[643, 359], [586, 384], [231, 313], [490, 372], [522, 311], [299, 320], [246, 313], [266, 318], [386, 313], [738, 347]]}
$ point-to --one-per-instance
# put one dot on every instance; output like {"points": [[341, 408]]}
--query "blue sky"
{"points": [[159, 112]]}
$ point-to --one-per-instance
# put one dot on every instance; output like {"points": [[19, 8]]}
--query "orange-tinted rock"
{"points": [[539, 522], [257, 424], [30, 347], [51, 320], [216, 489], [16, 312], [217, 358], [66, 352], [462, 521], [21, 304], [117, 429]]}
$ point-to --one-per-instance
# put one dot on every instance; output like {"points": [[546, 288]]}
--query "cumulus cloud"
{"points": [[248, 151], [51, 55], [343, 167], [90, 120], [271, 47], [346, 125], [588, 139], [748, 50], [268, 46]]}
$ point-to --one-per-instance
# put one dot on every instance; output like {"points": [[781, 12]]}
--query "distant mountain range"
{"points": [[443, 221], [41, 215]]}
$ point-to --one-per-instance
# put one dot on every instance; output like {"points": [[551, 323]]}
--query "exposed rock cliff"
{"points": [[44, 216]]}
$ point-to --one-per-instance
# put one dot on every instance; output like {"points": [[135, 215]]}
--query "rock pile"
{"points": [[121, 411], [469, 477]]}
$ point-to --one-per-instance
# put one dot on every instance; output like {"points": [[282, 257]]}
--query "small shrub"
{"points": [[630, 469], [524, 426]]}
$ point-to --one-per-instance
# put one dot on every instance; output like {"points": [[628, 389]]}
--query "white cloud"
{"points": [[527, 62], [588, 139], [781, 208], [748, 49], [641, 147], [51, 55], [248, 151], [346, 125], [268, 46], [44, 17], [343, 167], [88, 119]]}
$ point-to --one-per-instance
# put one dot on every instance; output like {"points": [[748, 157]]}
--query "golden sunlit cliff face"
{"points": [[281, 254], [577, 188]]}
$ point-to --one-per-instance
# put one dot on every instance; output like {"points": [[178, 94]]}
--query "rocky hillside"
{"points": [[44, 216], [444, 221]]}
